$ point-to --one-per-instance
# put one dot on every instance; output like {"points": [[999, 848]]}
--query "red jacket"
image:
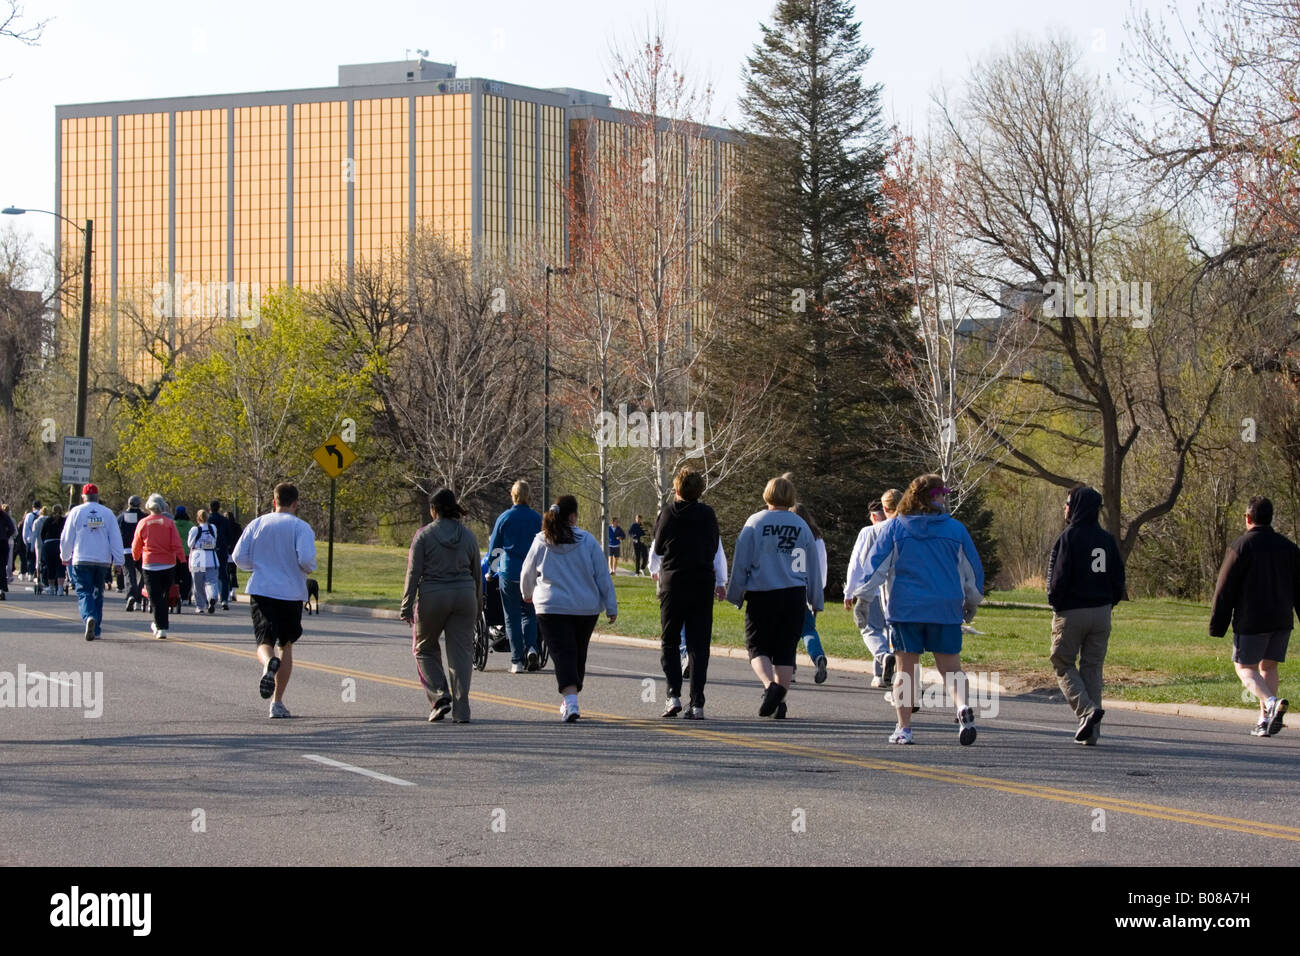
{"points": [[157, 541]]}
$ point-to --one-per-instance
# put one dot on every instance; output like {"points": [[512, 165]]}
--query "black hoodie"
{"points": [[686, 535], [1085, 568]]}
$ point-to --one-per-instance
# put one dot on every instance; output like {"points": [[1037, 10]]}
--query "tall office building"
{"points": [[198, 200]]}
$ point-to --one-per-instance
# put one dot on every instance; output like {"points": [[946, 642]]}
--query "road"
{"points": [[183, 767]]}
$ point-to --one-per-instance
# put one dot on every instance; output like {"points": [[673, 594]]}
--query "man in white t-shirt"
{"points": [[279, 551]]}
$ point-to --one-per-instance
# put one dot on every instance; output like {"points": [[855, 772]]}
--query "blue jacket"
{"points": [[511, 538], [928, 563]]}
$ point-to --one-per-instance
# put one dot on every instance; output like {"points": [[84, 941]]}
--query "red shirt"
{"points": [[157, 541]]}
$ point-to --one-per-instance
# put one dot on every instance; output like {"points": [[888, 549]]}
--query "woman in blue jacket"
{"points": [[927, 560], [511, 538]]}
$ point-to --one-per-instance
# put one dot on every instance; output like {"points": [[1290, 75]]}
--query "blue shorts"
{"points": [[913, 638]]}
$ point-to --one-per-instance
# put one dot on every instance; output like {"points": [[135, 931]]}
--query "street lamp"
{"points": [[83, 349], [546, 389], [83, 352]]}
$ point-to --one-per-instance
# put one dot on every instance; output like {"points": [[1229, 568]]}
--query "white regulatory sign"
{"points": [[77, 454]]}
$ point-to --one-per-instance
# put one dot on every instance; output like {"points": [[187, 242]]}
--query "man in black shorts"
{"points": [[279, 551], [1258, 588]]}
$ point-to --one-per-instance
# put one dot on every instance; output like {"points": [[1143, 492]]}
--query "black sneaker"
{"points": [[212, 606], [534, 661], [1275, 716], [780, 711], [90, 630], [820, 676], [772, 695], [266, 687], [887, 676], [1088, 724], [130, 604], [674, 707], [440, 710]]}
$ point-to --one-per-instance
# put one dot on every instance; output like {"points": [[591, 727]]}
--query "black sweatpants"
{"points": [[568, 635], [686, 604], [641, 557], [159, 583]]}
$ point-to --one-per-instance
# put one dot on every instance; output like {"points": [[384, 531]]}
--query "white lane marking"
{"points": [[361, 770]]}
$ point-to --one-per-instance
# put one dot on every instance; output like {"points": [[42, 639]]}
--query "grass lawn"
{"points": [[1159, 649]]}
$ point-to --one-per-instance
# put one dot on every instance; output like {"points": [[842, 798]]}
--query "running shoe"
{"points": [[517, 668], [780, 711], [674, 707], [901, 735], [820, 676], [773, 694], [225, 606], [1260, 729], [693, 713], [266, 686], [160, 634], [569, 713], [130, 604], [212, 606], [877, 682], [887, 677], [1088, 724], [440, 710], [1275, 714], [966, 726], [90, 628], [279, 710], [534, 662]]}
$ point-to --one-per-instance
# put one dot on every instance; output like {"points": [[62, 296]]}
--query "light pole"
{"points": [[546, 389], [83, 348]]}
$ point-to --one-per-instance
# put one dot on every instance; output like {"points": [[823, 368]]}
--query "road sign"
{"points": [[334, 457], [76, 461]]}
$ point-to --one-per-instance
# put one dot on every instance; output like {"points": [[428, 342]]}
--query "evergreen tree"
{"points": [[809, 204]]}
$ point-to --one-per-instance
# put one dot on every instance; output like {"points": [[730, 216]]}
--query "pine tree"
{"points": [[810, 201]]}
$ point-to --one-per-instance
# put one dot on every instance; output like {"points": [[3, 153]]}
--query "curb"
{"points": [[850, 665]]}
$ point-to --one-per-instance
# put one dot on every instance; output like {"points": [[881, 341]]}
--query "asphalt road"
{"points": [[183, 767]]}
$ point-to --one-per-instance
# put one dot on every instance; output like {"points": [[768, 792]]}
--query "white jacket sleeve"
{"points": [[719, 566]]}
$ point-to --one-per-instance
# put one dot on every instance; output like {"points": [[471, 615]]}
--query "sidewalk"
{"points": [[929, 675]]}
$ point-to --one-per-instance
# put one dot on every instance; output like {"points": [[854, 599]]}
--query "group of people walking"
{"points": [[914, 579]]}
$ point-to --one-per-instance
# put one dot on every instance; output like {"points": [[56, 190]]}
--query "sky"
{"points": [[93, 51]]}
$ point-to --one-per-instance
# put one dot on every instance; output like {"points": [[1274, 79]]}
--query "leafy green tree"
{"points": [[248, 414]]}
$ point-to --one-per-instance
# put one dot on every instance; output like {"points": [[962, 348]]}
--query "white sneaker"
{"points": [[279, 710], [569, 712], [901, 735], [516, 668], [877, 682], [161, 635]]}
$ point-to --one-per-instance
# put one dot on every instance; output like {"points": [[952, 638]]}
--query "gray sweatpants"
{"points": [[453, 613], [1082, 633]]}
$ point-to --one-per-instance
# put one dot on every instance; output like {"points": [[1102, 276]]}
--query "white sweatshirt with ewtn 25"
{"points": [[570, 578]]}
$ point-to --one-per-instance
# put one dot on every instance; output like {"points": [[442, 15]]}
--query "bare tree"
{"points": [[1050, 206]]}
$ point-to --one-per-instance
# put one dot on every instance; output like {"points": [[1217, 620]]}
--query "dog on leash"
{"points": [[313, 591]]}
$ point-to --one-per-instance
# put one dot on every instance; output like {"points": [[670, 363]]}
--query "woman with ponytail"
{"points": [[566, 578]]}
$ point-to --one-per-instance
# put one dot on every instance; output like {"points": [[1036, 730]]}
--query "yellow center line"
{"points": [[937, 774]]}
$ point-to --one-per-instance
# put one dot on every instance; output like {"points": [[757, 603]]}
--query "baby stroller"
{"points": [[50, 572]]}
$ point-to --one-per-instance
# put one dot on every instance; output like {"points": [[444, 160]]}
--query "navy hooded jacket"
{"points": [[1085, 568]]}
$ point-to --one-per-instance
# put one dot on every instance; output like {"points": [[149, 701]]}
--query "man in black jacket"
{"points": [[1085, 579], [1258, 587], [127, 522], [225, 546], [686, 537]]}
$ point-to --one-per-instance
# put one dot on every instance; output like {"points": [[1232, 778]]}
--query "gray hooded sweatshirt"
{"points": [[444, 557]]}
